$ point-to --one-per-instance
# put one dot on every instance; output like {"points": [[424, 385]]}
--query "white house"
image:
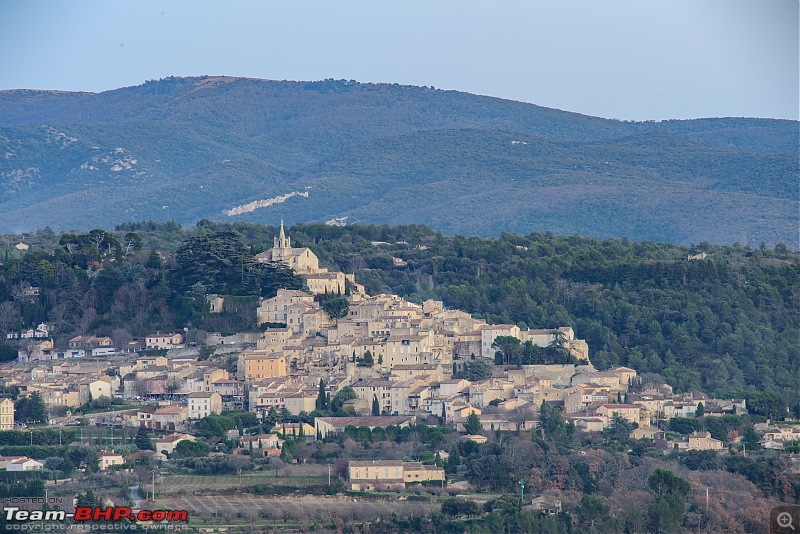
{"points": [[23, 464]]}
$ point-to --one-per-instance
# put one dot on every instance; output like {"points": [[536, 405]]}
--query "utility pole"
{"points": [[522, 493], [706, 499], [154, 486], [329, 474]]}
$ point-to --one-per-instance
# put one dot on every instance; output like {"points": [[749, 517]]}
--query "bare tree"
{"points": [[141, 387], [145, 475], [357, 263], [88, 318], [239, 463], [520, 455], [173, 385], [195, 335], [121, 337], [275, 463], [18, 291], [60, 315], [9, 316], [519, 415]]}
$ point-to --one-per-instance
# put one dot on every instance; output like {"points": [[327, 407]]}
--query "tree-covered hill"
{"points": [[190, 148], [727, 324]]}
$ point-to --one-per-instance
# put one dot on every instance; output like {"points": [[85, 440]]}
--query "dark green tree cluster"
{"points": [[144, 439], [41, 437], [343, 395], [670, 492], [477, 370], [553, 428], [214, 426], [191, 449], [31, 409], [108, 283]]}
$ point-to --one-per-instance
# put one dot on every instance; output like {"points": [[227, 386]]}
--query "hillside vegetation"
{"points": [[184, 149]]}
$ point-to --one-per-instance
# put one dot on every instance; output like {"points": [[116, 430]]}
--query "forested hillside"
{"points": [[726, 324], [190, 148]]}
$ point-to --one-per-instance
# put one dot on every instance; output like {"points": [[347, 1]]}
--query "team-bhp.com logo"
{"points": [[96, 513]]}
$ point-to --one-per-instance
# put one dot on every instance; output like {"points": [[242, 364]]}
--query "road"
{"points": [[137, 500]]}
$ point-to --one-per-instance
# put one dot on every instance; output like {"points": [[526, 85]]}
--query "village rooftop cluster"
{"points": [[405, 362]]}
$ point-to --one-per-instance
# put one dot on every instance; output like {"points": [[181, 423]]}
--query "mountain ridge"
{"points": [[384, 153]]}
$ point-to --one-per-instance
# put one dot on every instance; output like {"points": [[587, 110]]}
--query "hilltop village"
{"points": [[402, 360], [333, 364]]}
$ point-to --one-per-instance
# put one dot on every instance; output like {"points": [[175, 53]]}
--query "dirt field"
{"points": [[308, 507], [190, 484]]}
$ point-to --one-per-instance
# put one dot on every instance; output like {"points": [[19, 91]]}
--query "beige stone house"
{"points": [[276, 309], [203, 404], [166, 417], [699, 441], [371, 474], [627, 411], [258, 364], [110, 459], [35, 351], [163, 341], [168, 443], [6, 414], [491, 332]]}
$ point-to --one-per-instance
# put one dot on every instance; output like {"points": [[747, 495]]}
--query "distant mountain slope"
{"points": [[188, 148]]}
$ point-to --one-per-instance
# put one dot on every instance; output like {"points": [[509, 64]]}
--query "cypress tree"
{"points": [[322, 400]]}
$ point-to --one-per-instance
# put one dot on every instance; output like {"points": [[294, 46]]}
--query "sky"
{"points": [[623, 59]]}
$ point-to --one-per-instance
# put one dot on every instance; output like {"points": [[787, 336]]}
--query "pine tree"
{"points": [[143, 439], [368, 360], [473, 424], [376, 407]]}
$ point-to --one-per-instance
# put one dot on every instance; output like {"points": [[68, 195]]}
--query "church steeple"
{"points": [[282, 242]]}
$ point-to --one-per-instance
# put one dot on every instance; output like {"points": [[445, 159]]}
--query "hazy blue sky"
{"points": [[637, 59]]}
